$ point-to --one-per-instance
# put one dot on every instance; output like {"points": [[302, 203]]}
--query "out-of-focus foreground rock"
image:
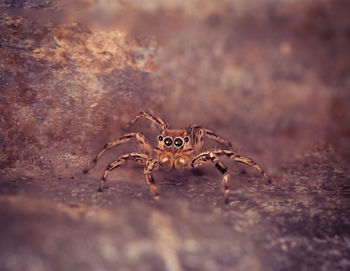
{"points": [[273, 77]]}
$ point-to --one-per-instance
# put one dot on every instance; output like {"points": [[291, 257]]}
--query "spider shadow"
{"points": [[187, 183], [172, 178]]}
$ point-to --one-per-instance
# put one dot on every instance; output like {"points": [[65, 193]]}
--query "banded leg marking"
{"points": [[151, 165], [198, 133], [211, 156], [250, 162], [140, 138], [152, 118], [201, 158], [138, 157]]}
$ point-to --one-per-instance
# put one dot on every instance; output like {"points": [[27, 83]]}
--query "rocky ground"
{"points": [[272, 77], [60, 224]]}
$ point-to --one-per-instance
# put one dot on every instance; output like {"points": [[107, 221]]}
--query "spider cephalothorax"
{"points": [[176, 149]]}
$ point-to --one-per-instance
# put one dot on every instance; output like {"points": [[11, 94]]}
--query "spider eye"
{"points": [[186, 139], [160, 138], [168, 141], [178, 142]]}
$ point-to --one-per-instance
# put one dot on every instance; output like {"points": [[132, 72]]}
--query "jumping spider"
{"points": [[176, 149]]}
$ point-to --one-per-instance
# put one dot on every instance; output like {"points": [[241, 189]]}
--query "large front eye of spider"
{"points": [[178, 142], [168, 141]]}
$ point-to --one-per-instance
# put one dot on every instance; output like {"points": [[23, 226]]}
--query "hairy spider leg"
{"points": [[137, 157], [250, 162], [151, 164], [211, 156], [152, 118], [236, 157], [140, 138], [198, 133]]}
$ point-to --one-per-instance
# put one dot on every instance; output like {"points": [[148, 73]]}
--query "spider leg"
{"points": [[148, 116], [199, 159], [151, 165], [211, 156], [140, 138], [138, 157], [197, 133], [250, 162]]}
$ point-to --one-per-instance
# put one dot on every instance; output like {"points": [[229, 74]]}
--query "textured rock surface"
{"points": [[273, 77]]}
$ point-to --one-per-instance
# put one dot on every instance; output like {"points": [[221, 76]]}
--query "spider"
{"points": [[176, 149]]}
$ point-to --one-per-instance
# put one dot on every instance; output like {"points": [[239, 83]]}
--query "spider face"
{"points": [[174, 140]]}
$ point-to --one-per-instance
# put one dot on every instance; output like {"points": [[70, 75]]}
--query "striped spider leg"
{"points": [[143, 144], [198, 133], [149, 165], [213, 156]]}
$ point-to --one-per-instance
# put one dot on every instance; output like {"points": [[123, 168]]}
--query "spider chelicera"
{"points": [[176, 149]]}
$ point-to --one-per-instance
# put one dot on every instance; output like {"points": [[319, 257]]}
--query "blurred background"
{"points": [[271, 76]]}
